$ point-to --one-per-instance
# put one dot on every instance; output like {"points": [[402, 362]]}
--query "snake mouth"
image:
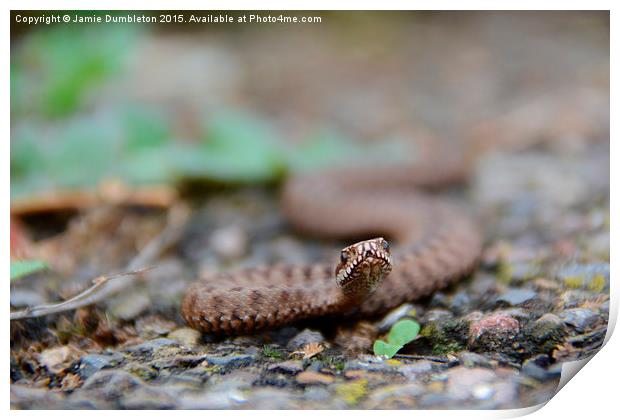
{"points": [[362, 266]]}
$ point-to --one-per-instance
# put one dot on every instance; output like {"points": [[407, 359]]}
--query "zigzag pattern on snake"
{"points": [[435, 241]]}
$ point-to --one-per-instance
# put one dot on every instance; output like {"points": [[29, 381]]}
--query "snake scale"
{"points": [[436, 242]]}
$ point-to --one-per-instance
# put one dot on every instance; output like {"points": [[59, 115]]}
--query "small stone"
{"points": [[148, 347], [461, 381], [229, 242], [494, 324], [93, 363], [230, 361], [392, 394], [129, 306], [533, 368], [290, 366], [304, 338], [188, 337], [394, 315], [515, 297], [57, 358], [316, 393], [547, 330], [579, 318], [460, 304], [413, 369], [313, 378], [110, 384], [469, 359], [437, 315], [482, 392]]}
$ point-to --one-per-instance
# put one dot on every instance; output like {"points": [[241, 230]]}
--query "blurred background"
{"points": [[212, 118], [248, 103]]}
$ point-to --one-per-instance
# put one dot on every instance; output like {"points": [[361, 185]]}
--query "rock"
{"points": [[395, 396], [149, 398], [515, 297], [110, 385], [57, 358], [412, 369], [313, 378], [575, 298], [188, 337], [462, 381], [394, 315], [93, 363], [305, 337], [580, 319], [229, 242], [497, 325], [437, 315], [231, 361], [439, 300], [149, 347], [290, 367], [470, 360], [536, 367], [129, 306], [460, 303], [546, 331], [316, 393]]}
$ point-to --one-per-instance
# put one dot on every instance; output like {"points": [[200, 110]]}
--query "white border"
{"points": [[592, 395]]}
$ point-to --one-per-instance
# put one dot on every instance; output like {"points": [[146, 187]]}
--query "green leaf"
{"points": [[381, 348], [403, 332], [22, 268]]}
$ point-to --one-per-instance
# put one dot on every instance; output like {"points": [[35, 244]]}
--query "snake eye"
{"points": [[344, 256], [385, 245]]}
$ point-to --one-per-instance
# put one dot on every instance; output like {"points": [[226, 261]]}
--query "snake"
{"points": [[420, 242]]}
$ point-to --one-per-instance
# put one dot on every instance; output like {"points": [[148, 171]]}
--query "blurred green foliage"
{"points": [[53, 70], [60, 141], [22, 268]]}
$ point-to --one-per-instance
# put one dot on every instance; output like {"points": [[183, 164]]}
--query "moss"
{"points": [[273, 353], [597, 284], [573, 282], [446, 338], [353, 392], [504, 272]]}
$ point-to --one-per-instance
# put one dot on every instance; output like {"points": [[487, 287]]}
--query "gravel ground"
{"points": [[540, 296]]}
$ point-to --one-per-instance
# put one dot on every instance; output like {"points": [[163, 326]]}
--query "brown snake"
{"points": [[436, 243]]}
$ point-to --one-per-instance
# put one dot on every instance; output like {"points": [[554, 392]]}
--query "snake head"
{"points": [[362, 267]]}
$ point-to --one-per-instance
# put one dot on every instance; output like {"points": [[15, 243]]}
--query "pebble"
{"points": [[515, 297], [547, 327], [532, 367], [188, 337], [93, 363], [460, 303], [410, 370], [469, 359], [229, 242], [230, 361], [305, 337], [110, 384], [57, 358], [148, 347], [579, 318], [313, 378], [129, 306], [437, 315], [290, 366], [394, 315], [25, 298], [462, 381], [497, 325]]}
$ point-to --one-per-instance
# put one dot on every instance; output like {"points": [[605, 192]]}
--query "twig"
{"points": [[108, 285], [75, 302], [430, 358]]}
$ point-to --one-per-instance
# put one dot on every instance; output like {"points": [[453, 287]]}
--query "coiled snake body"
{"points": [[436, 243]]}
